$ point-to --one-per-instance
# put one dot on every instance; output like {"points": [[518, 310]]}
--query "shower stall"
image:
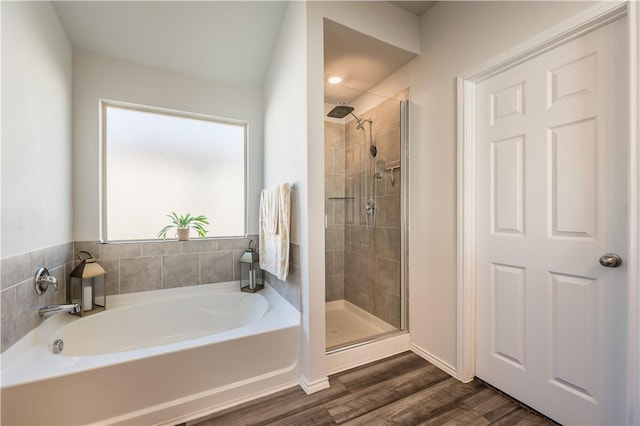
{"points": [[365, 231]]}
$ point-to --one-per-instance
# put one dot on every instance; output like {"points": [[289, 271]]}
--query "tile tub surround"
{"points": [[155, 265], [130, 268], [19, 302], [291, 289]]}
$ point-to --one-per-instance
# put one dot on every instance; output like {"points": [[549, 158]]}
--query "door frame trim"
{"points": [[589, 20]]}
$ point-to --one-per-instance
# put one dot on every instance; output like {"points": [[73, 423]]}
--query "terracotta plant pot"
{"points": [[183, 234]]}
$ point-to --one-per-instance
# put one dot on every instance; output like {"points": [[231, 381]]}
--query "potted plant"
{"points": [[183, 223]]}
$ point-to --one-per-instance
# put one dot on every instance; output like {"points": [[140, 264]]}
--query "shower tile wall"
{"points": [[334, 181], [369, 257]]}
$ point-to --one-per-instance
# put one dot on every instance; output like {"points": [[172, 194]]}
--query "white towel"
{"points": [[269, 209], [275, 214]]}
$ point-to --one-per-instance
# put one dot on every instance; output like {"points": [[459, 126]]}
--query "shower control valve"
{"points": [[370, 206]]}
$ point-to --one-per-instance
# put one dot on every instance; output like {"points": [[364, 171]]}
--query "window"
{"points": [[156, 162]]}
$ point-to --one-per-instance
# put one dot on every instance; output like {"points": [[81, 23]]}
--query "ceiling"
{"points": [[226, 41], [415, 7], [360, 60]]}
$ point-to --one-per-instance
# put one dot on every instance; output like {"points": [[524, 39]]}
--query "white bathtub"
{"points": [[159, 357]]}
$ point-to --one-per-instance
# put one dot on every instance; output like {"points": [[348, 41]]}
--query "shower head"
{"points": [[341, 111]]}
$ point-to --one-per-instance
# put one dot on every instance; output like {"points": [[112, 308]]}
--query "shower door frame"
{"points": [[404, 244], [404, 213]]}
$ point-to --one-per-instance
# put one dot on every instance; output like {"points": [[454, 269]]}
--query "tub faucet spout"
{"points": [[58, 309]]}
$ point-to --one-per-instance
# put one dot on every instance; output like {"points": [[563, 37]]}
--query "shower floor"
{"points": [[347, 323]]}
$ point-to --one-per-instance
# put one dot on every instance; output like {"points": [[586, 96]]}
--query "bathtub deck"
{"points": [[404, 389]]}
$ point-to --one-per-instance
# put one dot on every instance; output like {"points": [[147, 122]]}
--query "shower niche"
{"points": [[365, 199]]}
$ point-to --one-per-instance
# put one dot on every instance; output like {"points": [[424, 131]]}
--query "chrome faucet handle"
{"points": [[43, 280]]}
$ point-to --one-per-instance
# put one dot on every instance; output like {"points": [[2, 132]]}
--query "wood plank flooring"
{"points": [[400, 390]]}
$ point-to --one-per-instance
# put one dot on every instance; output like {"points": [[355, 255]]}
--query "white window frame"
{"points": [[104, 104]]}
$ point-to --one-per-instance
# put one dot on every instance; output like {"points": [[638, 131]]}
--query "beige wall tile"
{"points": [[380, 305], [60, 296], [388, 144], [393, 310], [294, 276], [290, 290], [329, 164], [334, 186], [200, 246], [116, 250], [368, 270], [63, 253], [334, 237], [339, 158], [328, 263], [388, 276], [41, 258], [355, 134], [140, 274], [334, 135], [351, 264], [388, 214], [16, 269], [8, 318], [393, 247], [339, 211], [92, 247], [378, 116], [392, 111], [216, 267], [27, 304], [159, 248], [353, 159], [334, 288], [180, 270], [294, 254], [112, 276], [395, 187], [338, 262], [379, 241], [237, 243], [329, 211]]}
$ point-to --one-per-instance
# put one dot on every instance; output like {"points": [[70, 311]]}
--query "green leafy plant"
{"points": [[185, 222]]}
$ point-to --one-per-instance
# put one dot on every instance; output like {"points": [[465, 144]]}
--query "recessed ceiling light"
{"points": [[335, 80]]}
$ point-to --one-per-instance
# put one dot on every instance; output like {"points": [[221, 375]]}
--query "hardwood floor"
{"points": [[401, 390]]}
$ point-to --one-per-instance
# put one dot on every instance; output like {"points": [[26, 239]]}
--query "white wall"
{"points": [[36, 129], [98, 77], [285, 149], [456, 37], [378, 19]]}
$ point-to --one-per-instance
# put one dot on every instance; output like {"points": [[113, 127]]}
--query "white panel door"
{"points": [[551, 197]]}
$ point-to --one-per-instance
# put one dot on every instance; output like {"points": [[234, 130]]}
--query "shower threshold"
{"points": [[347, 324]]}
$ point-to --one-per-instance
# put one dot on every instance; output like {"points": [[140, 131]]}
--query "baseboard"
{"points": [[359, 355], [444, 366], [312, 387]]}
